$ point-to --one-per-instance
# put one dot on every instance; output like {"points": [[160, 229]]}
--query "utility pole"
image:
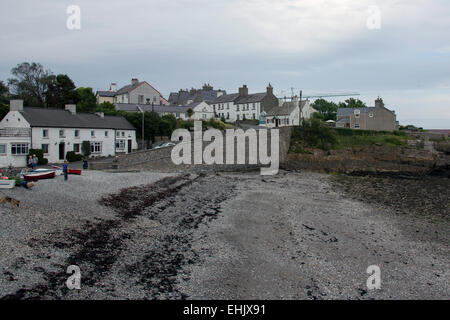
{"points": [[143, 139]]}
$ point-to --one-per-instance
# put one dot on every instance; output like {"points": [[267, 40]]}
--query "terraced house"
{"points": [[377, 118], [57, 131], [137, 92], [242, 105]]}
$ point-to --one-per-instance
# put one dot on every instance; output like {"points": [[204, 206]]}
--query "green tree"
{"points": [[86, 99], [352, 103], [4, 100], [190, 112], [30, 83], [326, 110], [60, 91]]}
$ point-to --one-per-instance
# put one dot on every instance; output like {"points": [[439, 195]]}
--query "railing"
{"points": [[15, 132]]}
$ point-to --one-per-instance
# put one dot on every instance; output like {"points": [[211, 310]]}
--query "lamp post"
{"points": [[143, 140]]}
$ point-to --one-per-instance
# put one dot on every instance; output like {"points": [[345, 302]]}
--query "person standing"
{"points": [[65, 170], [35, 161], [30, 161]]}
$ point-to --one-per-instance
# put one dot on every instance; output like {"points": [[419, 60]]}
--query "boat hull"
{"points": [[74, 171], [39, 176]]}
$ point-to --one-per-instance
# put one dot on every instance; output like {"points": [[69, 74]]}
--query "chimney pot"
{"points": [[134, 81]]}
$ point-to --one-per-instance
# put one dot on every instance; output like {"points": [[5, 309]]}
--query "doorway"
{"points": [[129, 145], [61, 150]]}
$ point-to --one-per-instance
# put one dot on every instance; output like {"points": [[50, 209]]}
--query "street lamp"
{"points": [[143, 140]]}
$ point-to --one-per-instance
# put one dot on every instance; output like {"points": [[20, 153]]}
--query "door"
{"points": [[129, 145], [61, 150]]}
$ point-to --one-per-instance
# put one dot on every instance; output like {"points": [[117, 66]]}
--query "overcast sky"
{"points": [[320, 46]]}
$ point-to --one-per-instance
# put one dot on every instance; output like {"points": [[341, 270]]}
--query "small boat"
{"points": [[34, 176], [70, 171], [7, 184]]}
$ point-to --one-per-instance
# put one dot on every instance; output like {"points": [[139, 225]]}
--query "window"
{"points": [[61, 133], [237, 108], [117, 133], [140, 99], [177, 114], [357, 113], [356, 125], [120, 144], [253, 107], [96, 147], [45, 133], [19, 148], [123, 133], [106, 133], [44, 148], [370, 114], [253, 116], [2, 148], [92, 133], [228, 106], [77, 133], [76, 147], [204, 116], [228, 115]]}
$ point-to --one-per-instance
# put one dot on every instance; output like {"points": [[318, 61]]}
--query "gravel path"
{"points": [[213, 236]]}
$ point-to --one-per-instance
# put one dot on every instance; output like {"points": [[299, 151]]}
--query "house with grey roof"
{"points": [[377, 118], [290, 113], [58, 131], [184, 97], [136, 92], [242, 105], [201, 110]]}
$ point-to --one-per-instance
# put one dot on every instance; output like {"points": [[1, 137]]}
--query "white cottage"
{"points": [[58, 131], [289, 114]]}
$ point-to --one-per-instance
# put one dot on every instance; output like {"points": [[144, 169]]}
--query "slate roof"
{"points": [[226, 98], [129, 87], [59, 118], [284, 110], [350, 111], [106, 93], [206, 95], [254, 97], [131, 107], [344, 120]]}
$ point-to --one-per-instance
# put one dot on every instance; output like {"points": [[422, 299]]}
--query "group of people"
{"points": [[33, 161]]}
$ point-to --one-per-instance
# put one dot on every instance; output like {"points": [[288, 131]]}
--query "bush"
{"points": [[86, 148], [71, 156], [40, 154], [315, 133]]}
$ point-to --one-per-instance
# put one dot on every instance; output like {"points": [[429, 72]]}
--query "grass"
{"points": [[314, 134], [380, 139]]}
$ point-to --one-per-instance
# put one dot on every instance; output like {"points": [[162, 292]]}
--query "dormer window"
{"points": [[357, 113]]}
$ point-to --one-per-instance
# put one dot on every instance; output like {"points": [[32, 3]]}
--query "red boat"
{"points": [[39, 175], [74, 171]]}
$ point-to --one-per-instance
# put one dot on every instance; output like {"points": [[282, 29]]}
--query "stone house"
{"points": [[377, 118]]}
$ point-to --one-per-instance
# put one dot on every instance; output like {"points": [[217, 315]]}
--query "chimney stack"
{"points": [[113, 87], [16, 105], [243, 91], [379, 103], [71, 107], [134, 81], [270, 89]]}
